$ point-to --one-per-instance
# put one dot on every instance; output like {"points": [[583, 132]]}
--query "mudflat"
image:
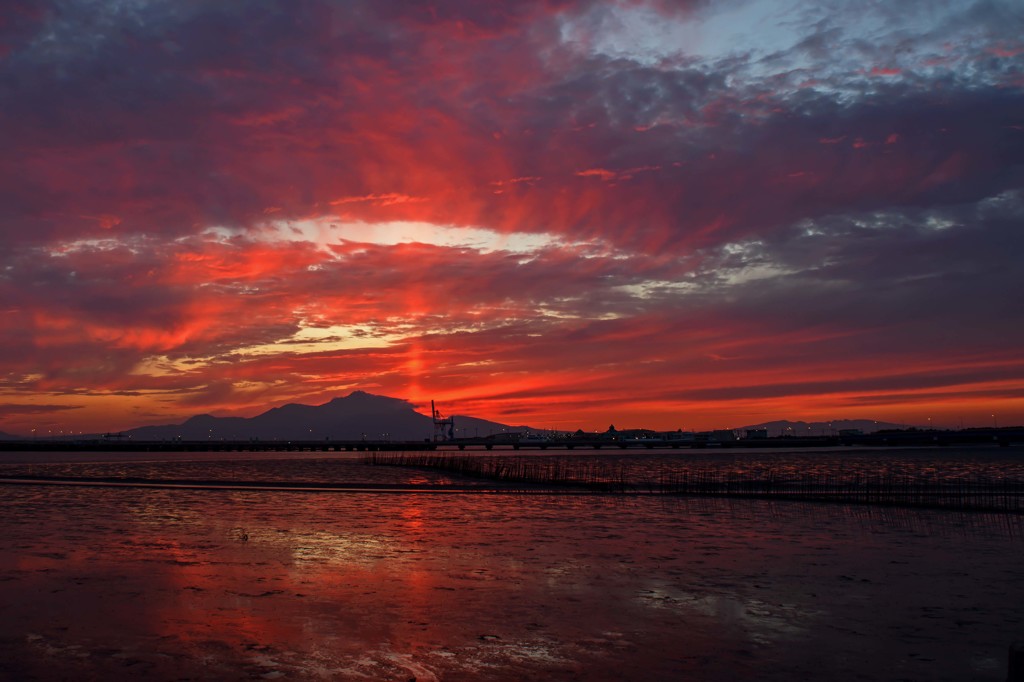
{"points": [[120, 583]]}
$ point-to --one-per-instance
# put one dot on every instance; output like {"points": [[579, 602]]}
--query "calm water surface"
{"points": [[637, 466], [99, 583]]}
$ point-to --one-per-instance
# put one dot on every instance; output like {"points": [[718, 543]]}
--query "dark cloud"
{"points": [[209, 116], [847, 202], [31, 409]]}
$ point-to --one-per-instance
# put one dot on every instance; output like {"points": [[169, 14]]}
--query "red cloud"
{"points": [[1006, 50], [481, 115], [601, 173]]}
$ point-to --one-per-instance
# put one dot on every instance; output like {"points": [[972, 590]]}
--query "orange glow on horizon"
{"points": [[553, 214]]}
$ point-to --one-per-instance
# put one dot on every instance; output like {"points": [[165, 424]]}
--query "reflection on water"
{"points": [[310, 468], [938, 464], [171, 584], [640, 467]]}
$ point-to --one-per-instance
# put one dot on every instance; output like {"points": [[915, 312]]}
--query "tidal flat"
{"points": [[170, 584]]}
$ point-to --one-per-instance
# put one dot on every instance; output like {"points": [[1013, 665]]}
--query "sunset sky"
{"points": [[562, 213]]}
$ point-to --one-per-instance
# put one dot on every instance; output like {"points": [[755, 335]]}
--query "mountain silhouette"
{"points": [[357, 416], [785, 427]]}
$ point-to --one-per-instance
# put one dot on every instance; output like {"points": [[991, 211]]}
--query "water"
{"points": [[121, 583], [946, 464], [259, 467]]}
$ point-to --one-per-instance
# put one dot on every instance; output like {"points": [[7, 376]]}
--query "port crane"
{"points": [[444, 427]]}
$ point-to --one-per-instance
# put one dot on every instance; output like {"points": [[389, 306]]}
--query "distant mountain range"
{"points": [[783, 427], [357, 416], [374, 417]]}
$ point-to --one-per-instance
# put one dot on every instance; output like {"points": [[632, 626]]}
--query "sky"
{"points": [[561, 213]]}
